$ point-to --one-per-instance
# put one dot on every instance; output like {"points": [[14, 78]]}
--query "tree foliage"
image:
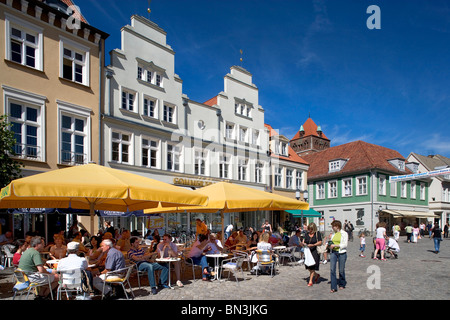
{"points": [[10, 168]]}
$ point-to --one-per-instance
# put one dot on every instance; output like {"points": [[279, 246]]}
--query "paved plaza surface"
{"points": [[418, 274]]}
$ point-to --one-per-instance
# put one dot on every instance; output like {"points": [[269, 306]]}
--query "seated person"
{"points": [[275, 240], [296, 242], [58, 250], [19, 248], [167, 249], [142, 260], [263, 245], [197, 255], [155, 242], [241, 240], [31, 261], [124, 241], [231, 242], [79, 238], [73, 261]]}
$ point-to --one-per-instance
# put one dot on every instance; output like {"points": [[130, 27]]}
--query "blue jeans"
{"points": [[437, 244], [201, 261], [150, 268], [335, 258]]}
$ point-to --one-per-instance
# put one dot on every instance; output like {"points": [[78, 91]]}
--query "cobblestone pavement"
{"points": [[418, 274]]}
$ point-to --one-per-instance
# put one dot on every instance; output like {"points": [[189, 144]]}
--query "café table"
{"points": [[168, 260], [216, 257], [277, 250]]}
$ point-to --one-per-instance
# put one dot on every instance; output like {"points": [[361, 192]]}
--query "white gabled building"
{"points": [[150, 127]]}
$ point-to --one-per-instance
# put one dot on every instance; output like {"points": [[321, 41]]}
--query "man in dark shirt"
{"points": [[436, 234]]}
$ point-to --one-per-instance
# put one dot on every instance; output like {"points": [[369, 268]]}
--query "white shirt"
{"points": [[229, 228], [393, 244], [264, 246], [72, 261], [380, 232]]}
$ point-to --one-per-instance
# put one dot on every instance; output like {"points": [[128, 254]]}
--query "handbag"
{"points": [[309, 259], [322, 248]]}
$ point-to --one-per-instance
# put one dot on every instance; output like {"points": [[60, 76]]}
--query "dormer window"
{"points": [[243, 108], [398, 163], [284, 148], [336, 164]]}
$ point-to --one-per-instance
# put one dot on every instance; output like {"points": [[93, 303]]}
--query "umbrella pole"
{"points": [[221, 219], [92, 214]]}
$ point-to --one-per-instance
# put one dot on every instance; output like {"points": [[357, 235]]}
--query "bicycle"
{"points": [[364, 231]]}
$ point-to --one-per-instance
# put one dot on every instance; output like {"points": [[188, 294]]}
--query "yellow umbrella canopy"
{"points": [[95, 187], [229, 197]]}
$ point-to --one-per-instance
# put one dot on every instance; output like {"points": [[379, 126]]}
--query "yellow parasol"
{"points": [[95, 187]]}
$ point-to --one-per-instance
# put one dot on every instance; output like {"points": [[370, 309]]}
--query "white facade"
{"points": [[151, 128], [439, 189]]}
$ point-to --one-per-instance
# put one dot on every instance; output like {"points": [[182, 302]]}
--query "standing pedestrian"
{"points": [[362, 245], [415, 233], [338, 254], [380, 242], [312, 240], [396, 231], [446, 230], [409, 231], [429, 228], [436, 234]]}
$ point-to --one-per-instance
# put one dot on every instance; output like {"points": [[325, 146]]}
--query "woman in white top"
{"points": [[380, 242]]}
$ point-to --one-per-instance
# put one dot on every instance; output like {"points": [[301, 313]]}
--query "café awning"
{"points": [[311, 213], [409, 214]]}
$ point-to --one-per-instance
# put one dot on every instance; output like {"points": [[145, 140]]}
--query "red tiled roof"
{"points": [[362, 156], [293, 156], [310, 128], [211, 101]]}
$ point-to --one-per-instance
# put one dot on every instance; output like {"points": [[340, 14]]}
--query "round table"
{"points": [[216, 257], [168, 260]]}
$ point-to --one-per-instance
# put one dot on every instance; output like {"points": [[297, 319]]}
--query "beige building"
{"points": [[50, 81]]}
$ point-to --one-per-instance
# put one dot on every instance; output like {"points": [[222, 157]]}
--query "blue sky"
{"points": [[389, 87]]}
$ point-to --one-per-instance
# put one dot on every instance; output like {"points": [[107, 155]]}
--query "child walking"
{"points": [[362, 245]]}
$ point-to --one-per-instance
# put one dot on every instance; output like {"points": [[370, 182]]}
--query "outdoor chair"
{"points": [[70, 281], [7, 256], [287, 253], [233, 265], [245, 255], [120, 276], [24, 284], [189, 262], [265, 259]]}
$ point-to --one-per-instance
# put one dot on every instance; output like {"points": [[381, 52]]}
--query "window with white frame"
{"points": [[320, 189], [149, 108], [128, 100], [284, 149], [278, 177], [243, 134], [255, 137], [445, 194], [289, 178], [26, 123], [361, 186], [200, 162], [224, 166], [229, 130], [332, 189], [382, 185], [393, 187], [422, 191], [158, 79], [403, 189], [299, 179], [173, 158], [259, 172], [242, 169], [347, 187], [413, 190], [24, 42], [74, 64], [243, 109], [121, 147], [335, 166], [150, 153], [169, 113], [73, 139]]}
